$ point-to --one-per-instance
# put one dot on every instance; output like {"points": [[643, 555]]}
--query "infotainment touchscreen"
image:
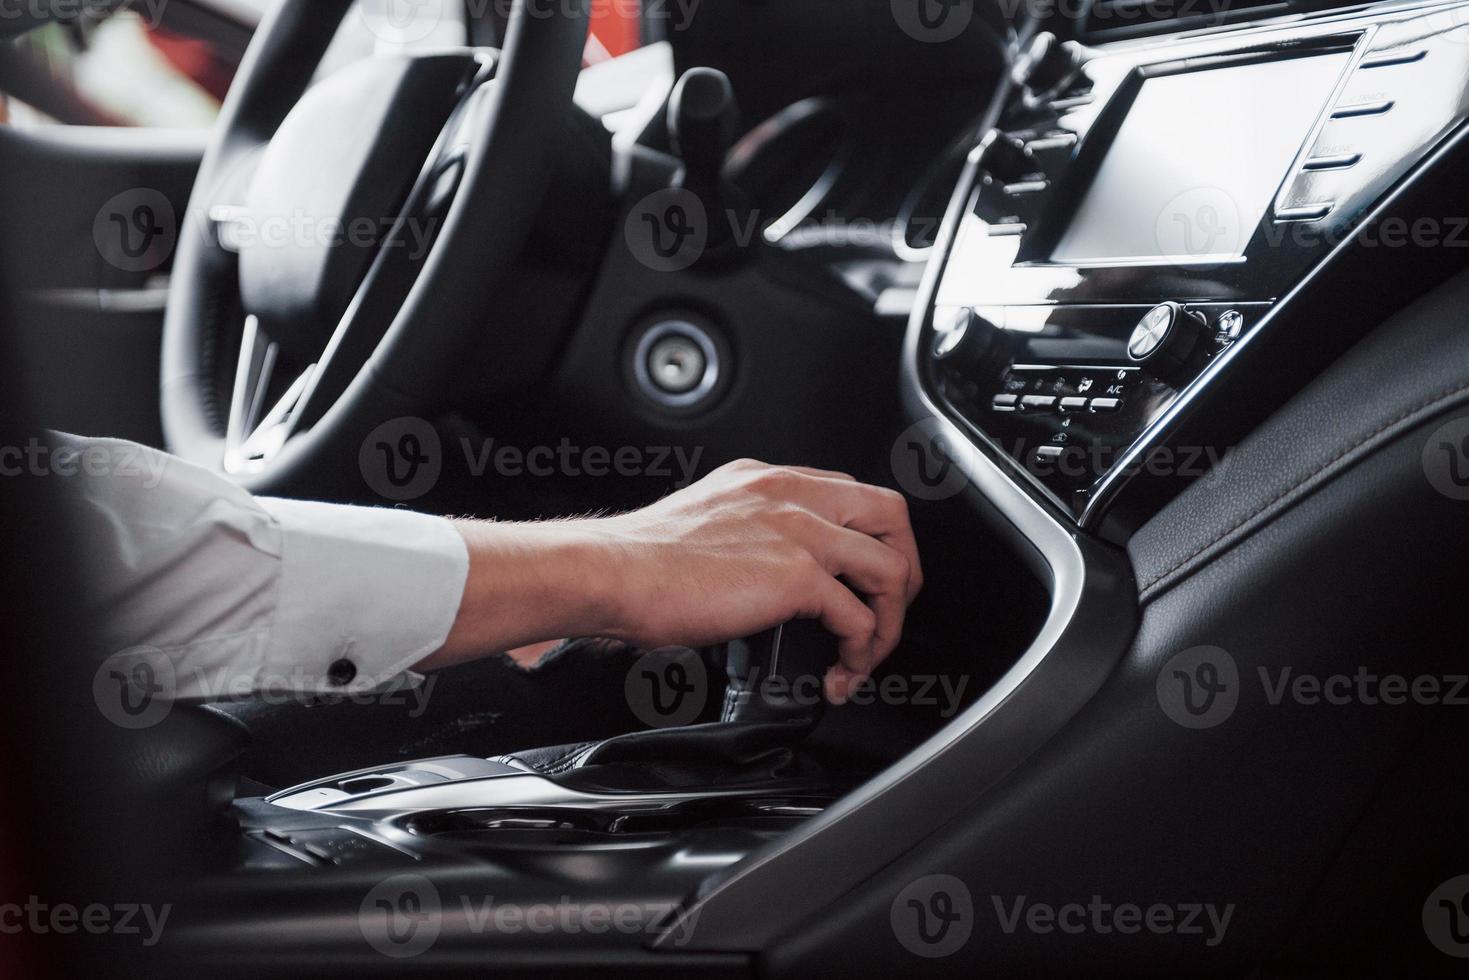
{"points": [[1196, 162]]}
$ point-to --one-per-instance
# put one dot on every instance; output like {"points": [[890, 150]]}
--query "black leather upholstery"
{"points": [[718, 754], [1320, 547], [772, 702], [1413, 368]]}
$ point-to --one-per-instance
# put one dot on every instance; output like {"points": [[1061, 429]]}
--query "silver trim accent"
{"points": [[1304, 212], [651, 388], [1058, 141], [1362, 109], [1072, 102], [1339, 161], [1404, 58], [1055, 545], [510, 789], [749, 147]]}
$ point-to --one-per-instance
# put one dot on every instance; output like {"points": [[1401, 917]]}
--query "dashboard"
{"points": [[1137, 215]]}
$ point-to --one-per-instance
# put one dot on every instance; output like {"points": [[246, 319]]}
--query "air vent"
{"points": [[1108, 20]]}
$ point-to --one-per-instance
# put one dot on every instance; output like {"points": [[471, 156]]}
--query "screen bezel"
{"points": [[1065, 199]]}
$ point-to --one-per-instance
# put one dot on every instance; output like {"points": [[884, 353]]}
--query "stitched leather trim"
{"points": [[1297, 490]]}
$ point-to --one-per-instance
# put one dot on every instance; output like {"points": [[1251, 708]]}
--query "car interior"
{"points": [[1154, 310]]}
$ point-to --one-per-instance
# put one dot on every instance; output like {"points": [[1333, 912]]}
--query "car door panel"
{"points": [[92, 216]]}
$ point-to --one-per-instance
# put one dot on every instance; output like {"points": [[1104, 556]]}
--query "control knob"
{"points": [[1165, 340], [966, 343]]}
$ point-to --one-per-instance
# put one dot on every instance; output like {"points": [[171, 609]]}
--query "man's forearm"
{"points": [[528, 583], [746, 548]]}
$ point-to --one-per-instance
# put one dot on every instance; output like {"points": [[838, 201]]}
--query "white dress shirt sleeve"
{"points": [[246, 594]]}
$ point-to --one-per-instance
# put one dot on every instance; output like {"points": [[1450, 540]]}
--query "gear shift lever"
{"points": [[773, 701], [778, 675], [703, 121]]}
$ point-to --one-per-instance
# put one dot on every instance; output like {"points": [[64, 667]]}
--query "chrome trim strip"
{"points": [[1362, 109], [1061, 141], [1304, 212], [1338, 162], [1386, 60], [1057, 547], [504, 790]]}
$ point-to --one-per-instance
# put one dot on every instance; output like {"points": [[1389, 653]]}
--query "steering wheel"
{"points": [[346, 236]]}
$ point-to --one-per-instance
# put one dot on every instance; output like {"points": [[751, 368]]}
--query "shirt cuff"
{"points": [[365, 593]]}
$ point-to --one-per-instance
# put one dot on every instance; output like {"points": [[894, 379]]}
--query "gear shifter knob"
{"points": [[703, 121], [778, 675]]}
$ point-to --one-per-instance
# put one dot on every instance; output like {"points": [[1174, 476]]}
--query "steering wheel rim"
{"points": [[503, 176]]}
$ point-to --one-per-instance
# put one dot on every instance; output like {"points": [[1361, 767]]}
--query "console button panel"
{"points": [[1066, 403], [1068, 421]]}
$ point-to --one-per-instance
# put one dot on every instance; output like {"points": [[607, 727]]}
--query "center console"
{"points": [[1142, 212]]}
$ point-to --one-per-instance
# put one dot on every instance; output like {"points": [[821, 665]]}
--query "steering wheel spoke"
{"points": [[254, 433], [359, 223]]}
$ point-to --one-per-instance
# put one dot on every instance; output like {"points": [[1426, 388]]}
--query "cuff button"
{"points": [[342, 672]]}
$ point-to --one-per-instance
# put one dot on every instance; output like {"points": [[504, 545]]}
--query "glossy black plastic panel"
{"points": [[1392, 86]]}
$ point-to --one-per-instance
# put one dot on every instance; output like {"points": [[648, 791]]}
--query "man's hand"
{"points": [[746, 548], [752, 545]]}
